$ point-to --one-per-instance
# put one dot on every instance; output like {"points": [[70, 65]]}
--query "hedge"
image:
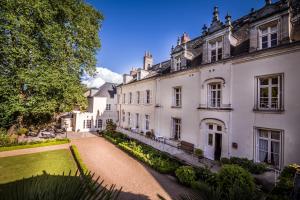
{"points": [[82, 167], [249, 165], [34, 144], [152, 157]]}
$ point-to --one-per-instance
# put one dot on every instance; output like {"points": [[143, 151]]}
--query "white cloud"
{"points": [[101, 76]]}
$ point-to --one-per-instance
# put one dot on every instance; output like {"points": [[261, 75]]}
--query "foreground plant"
{"points": [[54, 187]]}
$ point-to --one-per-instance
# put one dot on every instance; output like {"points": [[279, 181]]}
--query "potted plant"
{"points": [[199, 153]]}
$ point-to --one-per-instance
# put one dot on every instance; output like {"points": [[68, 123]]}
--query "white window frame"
{"points": [[88, 123], [137, 118], [138, 97], [148, 96], [269, 32], [147, 122], [216, 99], [130, 98], [216, 45], [269, 140], [177, 92], [176, 128], [123, 116], [124, 98], [108, 106], [270, 85], [129, 119], [99, 123]]}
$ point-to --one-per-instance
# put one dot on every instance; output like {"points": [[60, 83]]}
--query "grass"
{"points": [[52, 162], [35, 144]]}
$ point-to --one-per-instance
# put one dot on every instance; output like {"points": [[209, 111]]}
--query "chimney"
{"points": [[185, 38], [268, 2], [148, 61]]}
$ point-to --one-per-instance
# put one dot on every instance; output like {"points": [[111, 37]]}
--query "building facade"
{"points": [[102, 106], [232, 91]]}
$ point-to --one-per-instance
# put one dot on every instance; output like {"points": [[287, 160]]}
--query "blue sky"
{"points": [[131, 27]]}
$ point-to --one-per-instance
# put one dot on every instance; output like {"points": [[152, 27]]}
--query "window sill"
{"points": [[279, 111], [215, 108], [175, 106]]}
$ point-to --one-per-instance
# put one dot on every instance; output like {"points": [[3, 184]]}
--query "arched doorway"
{"points": [[214, 138]]}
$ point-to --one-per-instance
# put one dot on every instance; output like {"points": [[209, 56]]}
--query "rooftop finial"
{"points": [[228, 19], [216, 14], [178, 41], [204, 29]]}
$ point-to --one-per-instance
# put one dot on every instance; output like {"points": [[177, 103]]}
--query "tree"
{"points": [[46, 46]]}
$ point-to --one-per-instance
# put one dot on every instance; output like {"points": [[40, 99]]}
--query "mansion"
{"points": [[232, 91]]}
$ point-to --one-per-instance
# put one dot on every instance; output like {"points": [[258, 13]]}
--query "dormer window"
{"points": [[268, 37], [216, 51], [177, 63]]}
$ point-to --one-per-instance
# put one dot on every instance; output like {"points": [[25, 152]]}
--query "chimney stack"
{"points": [[148, 61], [185, 38], [268, 2]]}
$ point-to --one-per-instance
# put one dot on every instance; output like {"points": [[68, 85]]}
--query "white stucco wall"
{"points": [[244, 119]]}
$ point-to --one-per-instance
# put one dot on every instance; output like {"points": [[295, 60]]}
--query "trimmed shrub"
{"points": [[78, 159], [22, 131], [199, 152], [249, 165], [186, 175], [232, 176], [205, 175], [110, 125], [285, 186]]}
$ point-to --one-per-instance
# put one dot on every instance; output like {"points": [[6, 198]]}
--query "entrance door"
{"points": [[218, 146]]}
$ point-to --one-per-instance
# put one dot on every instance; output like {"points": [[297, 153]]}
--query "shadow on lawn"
{"points": [[64, 187]]}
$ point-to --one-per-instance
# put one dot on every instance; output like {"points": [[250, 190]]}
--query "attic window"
{"points": [[216, 51], [268, 36]]}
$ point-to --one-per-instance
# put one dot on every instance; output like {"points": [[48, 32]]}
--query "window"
{"points": [[129, 119], [123, 116], [138, 97], [99, 123], [269, 93], [147, 122], [176, 128], [108, 106], [118, 99], [124, 98], [269, 146], [177, 96], [148, 97], [130, 97], [268, 37], [89, 123], [216, 51], [177, 63], [214, 95], [210, 139], [137, 120]]}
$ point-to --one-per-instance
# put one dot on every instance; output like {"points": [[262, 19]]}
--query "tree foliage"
{"points": [[46, 45]]}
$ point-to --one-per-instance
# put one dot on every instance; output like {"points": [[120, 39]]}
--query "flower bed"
{"points": [[154, 158]]}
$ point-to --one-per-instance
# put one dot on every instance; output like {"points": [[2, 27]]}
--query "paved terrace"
{"points": [[172, 150]]}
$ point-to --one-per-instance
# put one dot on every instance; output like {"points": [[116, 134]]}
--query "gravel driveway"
{"points": [[116, 167]]}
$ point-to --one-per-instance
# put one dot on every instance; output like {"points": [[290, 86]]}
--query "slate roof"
{"points": [[106, 90]]}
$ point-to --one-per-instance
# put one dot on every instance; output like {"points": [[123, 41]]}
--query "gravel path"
{"points": [[33, 150], [139, 182]]}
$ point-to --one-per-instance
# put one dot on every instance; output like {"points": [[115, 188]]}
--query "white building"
{"points": [[233, 91], [101, 108]]}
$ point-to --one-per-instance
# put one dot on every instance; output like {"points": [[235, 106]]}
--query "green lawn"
{"points": [[16, 167]]}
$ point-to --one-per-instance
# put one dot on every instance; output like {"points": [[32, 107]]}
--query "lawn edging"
{"points": [[35, 144], [81, 166]]}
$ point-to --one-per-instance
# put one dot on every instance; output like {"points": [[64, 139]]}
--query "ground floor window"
{"points": [[129, 119], [147, 122], [89, 123], [99, 123], [176, 128], [269, 146]]}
